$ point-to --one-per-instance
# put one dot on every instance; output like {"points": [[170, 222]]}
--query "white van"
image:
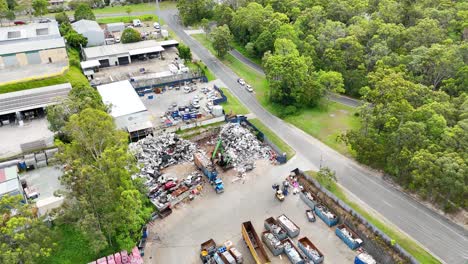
{"points": [[137, 23]]}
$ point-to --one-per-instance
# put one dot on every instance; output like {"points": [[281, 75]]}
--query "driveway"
{"points": [[442, 237]]}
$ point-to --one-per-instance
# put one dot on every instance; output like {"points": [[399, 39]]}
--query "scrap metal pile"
{"points": [[291, 251], [326, 212], [243, 147], [156, 153], [273, 240]]}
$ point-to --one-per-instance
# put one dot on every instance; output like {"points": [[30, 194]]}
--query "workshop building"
{"points": [[91, 30], [128, 111]]}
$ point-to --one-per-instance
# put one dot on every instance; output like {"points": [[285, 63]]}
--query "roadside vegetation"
{"points": [[233, 106], [403, 240], [413, 123], [283, 146]]}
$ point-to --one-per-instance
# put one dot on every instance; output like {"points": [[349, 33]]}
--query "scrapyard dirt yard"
{"points": [[177, 238]]}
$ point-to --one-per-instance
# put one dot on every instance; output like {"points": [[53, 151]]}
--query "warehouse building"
{"points": [[123, 54], [91, 30], [29, 51], [128, 111]]}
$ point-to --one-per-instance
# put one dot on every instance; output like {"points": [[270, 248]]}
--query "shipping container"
{"points": [[273, 243], [309, 198], [324, 213], [274, 227], [291, 228], [310, 250], [349, 237]]}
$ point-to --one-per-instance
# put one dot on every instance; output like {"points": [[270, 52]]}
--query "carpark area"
{"points": [[197, 97], [12, 136], [177, 238], [140, 66]]}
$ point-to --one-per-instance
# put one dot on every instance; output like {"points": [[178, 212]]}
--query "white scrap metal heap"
{"points": [[159, 152], [326, 212], [242, 146], [273, 240], [288, 223], [292, 252]]}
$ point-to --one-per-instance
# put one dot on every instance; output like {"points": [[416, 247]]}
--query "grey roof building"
{"points": [[29, 32], [90, 30]]}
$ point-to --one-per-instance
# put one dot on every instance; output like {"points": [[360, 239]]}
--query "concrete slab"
{"points": [[45, 180], [177, 238], [30, 71], [12, 136]]}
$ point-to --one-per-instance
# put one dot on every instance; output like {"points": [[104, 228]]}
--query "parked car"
{"points": [[248, 88], [19, 23], [137, 23], [45, 20], [117, 40], [156, 25], [241, 82]]}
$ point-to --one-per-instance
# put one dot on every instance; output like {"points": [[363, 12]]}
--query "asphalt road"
{"points": [[443, 238]]}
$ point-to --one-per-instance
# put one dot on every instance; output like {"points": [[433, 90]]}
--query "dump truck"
{"points": [[209, 171], [310, 250], [349, 237], [254, 244]]}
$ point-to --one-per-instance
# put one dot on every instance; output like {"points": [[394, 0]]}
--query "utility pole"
{"points": [[158, 12]]}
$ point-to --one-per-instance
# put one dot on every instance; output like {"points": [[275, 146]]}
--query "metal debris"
{"points": [[243, 147]]}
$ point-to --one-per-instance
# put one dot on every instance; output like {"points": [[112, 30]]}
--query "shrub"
{"points": [[130, 35]]}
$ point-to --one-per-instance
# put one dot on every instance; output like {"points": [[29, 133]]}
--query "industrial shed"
{"points": [[31, 99], [128, 111], [115, 27], [90, 30], [122, 54]]}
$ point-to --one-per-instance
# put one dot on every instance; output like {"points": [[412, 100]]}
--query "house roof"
{"points": [[31, 45], [84, 25]]}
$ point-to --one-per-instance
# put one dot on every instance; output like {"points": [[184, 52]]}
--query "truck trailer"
{"points": [[209, 171], [254, 244]]}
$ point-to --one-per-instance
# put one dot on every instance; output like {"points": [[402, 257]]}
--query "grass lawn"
{"points": [[126, 19], [144, 7], [403, 240], [71, 247], [283, 146], [233, 104], [325, 122]]}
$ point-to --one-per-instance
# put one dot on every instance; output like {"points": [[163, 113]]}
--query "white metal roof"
{"points": [[123, 98], [33, 98], [84, 25], [169, 42], [30, 31], [146, 50], [31, 45], [90, 64], [117, 49]]}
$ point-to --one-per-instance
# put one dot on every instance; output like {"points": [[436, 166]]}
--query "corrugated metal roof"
{"points": [[30, 31], [86, 25], [31, 45], [117, 49], [33, 98], [123, 98]]}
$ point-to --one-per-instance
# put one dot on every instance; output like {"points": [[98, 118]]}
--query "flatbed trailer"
{"points": [[254, 243]]}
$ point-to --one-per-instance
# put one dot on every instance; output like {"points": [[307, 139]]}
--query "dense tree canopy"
{"points": [[407, 59], [24, 238], [84, 11], [221, 38]]}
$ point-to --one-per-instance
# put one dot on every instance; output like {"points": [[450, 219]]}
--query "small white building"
{"points": [[90, 30], [128, 111]]}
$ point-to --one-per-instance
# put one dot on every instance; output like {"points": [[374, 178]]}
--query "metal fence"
{"points": [[223, 98], [280, 157], [371, 246]]}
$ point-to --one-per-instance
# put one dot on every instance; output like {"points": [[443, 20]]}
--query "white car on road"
{"points": [[249, 88], [241, 82]]}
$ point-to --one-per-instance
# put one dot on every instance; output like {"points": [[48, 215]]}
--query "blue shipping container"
{"points": [[364, 258], [328, 221], [352, 244]]}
